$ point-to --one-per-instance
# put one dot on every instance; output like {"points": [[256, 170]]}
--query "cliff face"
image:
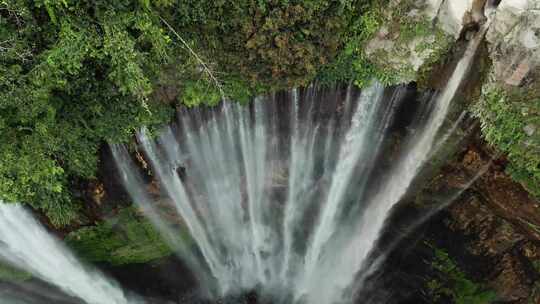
{"points": [[514, 41], [496, 221], [499, 216]]}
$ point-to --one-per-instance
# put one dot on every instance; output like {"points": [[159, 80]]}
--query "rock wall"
{"points": [[496, 220], [418, 33], [514, 41], [500, 215]]}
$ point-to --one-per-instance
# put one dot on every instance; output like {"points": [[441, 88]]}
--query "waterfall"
{"points": [[285, 195], [262, 188], [25, 244]]}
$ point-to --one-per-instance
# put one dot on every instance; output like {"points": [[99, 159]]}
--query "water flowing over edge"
{"points": [[244, 238], [25, 244]]}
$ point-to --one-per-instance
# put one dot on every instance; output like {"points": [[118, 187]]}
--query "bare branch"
{"points": [[197, 57]]}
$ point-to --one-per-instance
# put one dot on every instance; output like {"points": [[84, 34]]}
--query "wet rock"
{"points": [[402, 48], [96, 191], [497, 221], [495, 235]]}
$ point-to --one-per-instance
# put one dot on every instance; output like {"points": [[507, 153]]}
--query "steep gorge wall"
{"points": [[500, 215]]}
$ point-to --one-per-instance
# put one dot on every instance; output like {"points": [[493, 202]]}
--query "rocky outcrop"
{"points": [[454, 16], [499, 222], [418, 33], [514, 41], [407, 40], [510, 103]]}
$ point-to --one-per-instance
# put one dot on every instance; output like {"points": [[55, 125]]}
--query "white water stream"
{"points": [[26, 245]]}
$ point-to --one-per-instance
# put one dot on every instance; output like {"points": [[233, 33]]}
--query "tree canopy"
{"points": [[76, 74]]}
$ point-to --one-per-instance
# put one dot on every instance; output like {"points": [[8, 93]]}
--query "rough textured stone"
{"points": [[453, 16], [514, 40], [511, 281], [519, 74], [402, 48]]}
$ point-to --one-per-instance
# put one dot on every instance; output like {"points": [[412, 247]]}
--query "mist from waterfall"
{"points": [[285, 195], [26, 245]]}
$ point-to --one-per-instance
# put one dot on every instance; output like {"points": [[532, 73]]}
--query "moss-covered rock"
{"points": [[10, 274], [509, 108], [123, 239], [452, 283], [510, 119], [408, 42]]}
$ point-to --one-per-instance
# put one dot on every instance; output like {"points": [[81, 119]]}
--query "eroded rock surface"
{"points": [[514, 40], [500, 222]]}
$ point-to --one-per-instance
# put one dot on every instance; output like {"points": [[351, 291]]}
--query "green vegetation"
{"points": [[536, 265], [504, 117], [73, 74], [76, 74], [452, 282], [123, 239], [351, 64], [410, 35], [535, 295], [10, 274]]}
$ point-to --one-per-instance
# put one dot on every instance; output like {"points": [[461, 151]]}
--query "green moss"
{"points": [[124, 239], [410, 35], [352, 64], [504, 115], [452, 282], [10, 274]]}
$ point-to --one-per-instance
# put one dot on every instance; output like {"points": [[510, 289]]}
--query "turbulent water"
{"points": [[26, 245]]}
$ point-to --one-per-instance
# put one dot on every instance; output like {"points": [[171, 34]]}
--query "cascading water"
{"points": [[283, 196], [354, 252], [25, 244], [248, 187], [280, 195]]}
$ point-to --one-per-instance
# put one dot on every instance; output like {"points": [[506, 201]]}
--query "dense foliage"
{"points": [[76, 74], [73, 74], [452, 283], [505, 116], [122, 239]]}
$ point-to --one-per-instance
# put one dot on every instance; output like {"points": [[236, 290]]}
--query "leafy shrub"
{"points": [[278, 43], [454, 283], [124, 239], [73, 75], [503, 120]]}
